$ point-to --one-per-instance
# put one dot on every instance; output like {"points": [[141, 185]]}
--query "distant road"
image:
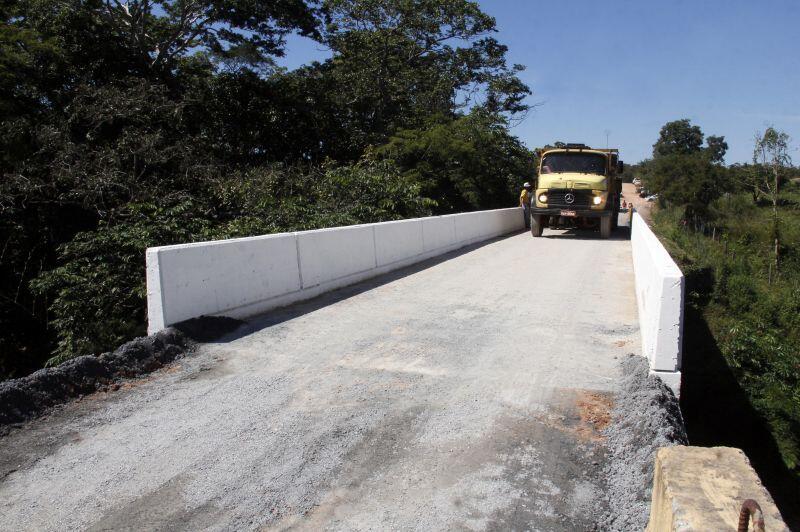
{"points": [[640, 204], [464, 393]]}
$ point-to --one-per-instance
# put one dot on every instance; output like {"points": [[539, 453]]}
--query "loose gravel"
{"points": [[427, 400], [646, 416], [29, 397]]}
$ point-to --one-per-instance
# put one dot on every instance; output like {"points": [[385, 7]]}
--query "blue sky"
{"points": [[732, 67]]}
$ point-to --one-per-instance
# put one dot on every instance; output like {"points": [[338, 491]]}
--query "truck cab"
{"points": [[579, 184]]}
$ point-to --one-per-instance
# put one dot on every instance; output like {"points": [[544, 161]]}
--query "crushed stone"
{"points": [[31, 396], [646, 416], [28, 397]]}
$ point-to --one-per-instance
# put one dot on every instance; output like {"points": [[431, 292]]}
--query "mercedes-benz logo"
{"points": [[569, 197]]}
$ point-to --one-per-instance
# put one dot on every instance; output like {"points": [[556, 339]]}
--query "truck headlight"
{"points": [[597, 200], [543, 198]]}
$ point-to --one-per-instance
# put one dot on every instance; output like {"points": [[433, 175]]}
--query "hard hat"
{"points": [[526, 185]]}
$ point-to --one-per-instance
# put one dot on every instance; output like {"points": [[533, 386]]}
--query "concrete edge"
{"points": [[704, 488], [660, 293], [247, 276]]}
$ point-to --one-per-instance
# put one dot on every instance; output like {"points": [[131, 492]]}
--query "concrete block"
{"points": [[510, 220], [155, 301], [660, 298], [209, 278], [471, 227], [246, 276], [439, 233], [398, 241], [330, 254], [476, 226], [699, 488]]}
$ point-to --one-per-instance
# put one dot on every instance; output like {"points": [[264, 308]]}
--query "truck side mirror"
{"points": [[620, 167]]}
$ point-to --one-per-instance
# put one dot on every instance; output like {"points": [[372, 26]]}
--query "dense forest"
{"points": [[735, 230], [132, 124]]}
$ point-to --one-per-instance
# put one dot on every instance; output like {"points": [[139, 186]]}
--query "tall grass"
{"points": [[750, 302]]}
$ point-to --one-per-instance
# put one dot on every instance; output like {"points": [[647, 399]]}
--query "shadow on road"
{"points": [[621, 233], [282, 314]]}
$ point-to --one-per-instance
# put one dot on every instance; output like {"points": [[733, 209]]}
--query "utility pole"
{"points": [[607, 132]]}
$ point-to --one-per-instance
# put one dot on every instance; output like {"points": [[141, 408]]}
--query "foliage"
{"points": [[770, 161], [678, 137], [398, 63], [682, 171], [685, 180], [716, 147], [127, 125], [98, 292], [465, 164], [753, 312]]}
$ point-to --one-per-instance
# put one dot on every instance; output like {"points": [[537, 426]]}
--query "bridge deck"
{"points": [[461, 393]]}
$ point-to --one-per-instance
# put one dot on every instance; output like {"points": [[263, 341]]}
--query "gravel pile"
{"points": [[27, 397], [646, 416]]}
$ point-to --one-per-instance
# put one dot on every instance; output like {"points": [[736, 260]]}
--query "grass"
{"points": [[742, 333]]}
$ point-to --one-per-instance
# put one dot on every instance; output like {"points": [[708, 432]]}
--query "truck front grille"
{"points": [[558, 198]]}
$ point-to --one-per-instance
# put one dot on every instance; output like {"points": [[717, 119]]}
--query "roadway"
{"points": [[467, 392]]}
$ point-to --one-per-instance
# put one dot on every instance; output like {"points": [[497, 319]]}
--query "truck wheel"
{"points": [[537, 225], [615, 216], [605, 227]]}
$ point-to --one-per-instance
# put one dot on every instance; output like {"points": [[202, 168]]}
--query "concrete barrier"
{"points": [[246, 276], [697, 488], [659, 296]]}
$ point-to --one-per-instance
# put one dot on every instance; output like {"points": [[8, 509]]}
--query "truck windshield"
{"points": [[584, 163]]}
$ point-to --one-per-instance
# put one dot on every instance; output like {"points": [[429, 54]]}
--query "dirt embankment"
{"points": [[646, 416], [29, 397]]}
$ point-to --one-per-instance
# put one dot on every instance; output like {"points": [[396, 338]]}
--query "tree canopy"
{"points": [[128, 124], [678, 137], [682, 170]]}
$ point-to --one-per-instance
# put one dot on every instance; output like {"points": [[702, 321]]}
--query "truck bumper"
{"points": [[579, 213]]}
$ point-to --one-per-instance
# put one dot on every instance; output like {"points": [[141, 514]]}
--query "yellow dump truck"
{"points": [[577, 186]]}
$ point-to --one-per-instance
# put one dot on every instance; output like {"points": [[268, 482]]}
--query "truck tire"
{"points": [[537, 225], [615, 214], [605, 227]]}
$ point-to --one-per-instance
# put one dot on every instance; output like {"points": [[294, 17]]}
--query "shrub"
{"points": [[98, 292], [754, 317]]}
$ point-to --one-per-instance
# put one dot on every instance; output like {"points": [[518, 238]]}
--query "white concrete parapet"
{"points": [[245, 276], [659, 296]]}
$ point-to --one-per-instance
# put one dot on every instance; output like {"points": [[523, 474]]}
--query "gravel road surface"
{"points": [[469, 392]]}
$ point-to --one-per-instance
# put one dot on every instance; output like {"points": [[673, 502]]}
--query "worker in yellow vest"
{"points": [[525, 203]]}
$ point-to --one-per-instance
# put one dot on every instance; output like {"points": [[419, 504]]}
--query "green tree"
{"points": [[138, 123], [397, 63], [465, 164], [684, 172], [770, 159], [159, 33], [97, 111], [678, 137], [716, 148], [685, 180]]}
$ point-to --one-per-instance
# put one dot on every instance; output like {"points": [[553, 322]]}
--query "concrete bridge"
{"points": [[462, 382]]}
